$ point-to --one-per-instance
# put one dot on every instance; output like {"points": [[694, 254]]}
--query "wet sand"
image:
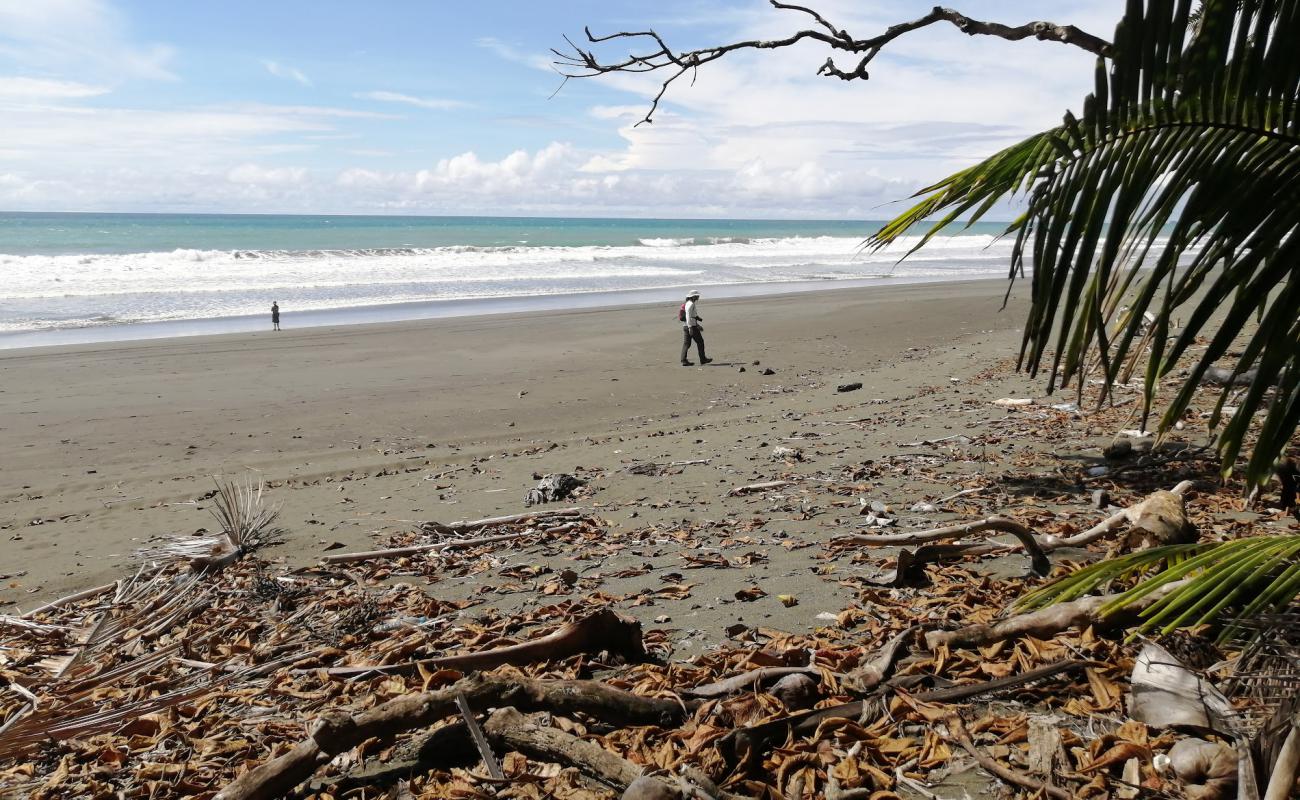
{"points": [[361, 431]]}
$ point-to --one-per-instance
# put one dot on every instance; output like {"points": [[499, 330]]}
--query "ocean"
{"points": [[87, 277]]}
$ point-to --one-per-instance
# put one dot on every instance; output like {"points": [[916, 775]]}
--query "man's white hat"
{"points": [[693, 294]]}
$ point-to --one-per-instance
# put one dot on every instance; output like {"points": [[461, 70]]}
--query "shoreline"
{"points": [[445, 309]]}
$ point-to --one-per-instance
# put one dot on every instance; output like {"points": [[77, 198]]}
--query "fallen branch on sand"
{"points": [[1159, 515], [758, 487], [958, 733], [1041, 564], [1043, 623], [602, 630], [463, 526], [752, 680], [336, 732], [454, 544]]}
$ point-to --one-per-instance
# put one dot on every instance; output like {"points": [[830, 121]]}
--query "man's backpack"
{"points": [[681, 313]]}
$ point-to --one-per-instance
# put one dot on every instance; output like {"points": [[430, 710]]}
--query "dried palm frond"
{"points": [[244, 519], [246, 524]]}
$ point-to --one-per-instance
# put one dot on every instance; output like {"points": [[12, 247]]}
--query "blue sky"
{"points": [[441, 108]]}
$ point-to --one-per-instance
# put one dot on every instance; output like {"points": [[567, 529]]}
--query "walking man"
{"points": [[692, 330], [275, 316]]}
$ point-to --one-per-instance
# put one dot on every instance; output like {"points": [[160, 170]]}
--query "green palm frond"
{"points": [[1244, 577], [1177, 189]]}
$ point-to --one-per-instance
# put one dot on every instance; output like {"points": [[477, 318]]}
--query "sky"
{"points": [[423, 107]]}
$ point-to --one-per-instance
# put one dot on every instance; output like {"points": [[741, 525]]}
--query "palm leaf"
{"points": [[1176, 190], [1254, 576]]}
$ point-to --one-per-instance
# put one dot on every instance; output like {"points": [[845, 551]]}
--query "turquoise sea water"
{"points": [[95, 272]]}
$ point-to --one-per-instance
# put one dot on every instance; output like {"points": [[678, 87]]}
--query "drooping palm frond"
{"points": [[1250, 576], [1177, 189]]}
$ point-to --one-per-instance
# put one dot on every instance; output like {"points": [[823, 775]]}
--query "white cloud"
{"points": [[267, 176], [433, 103], [62, 36], [287, 72], [754, 135], [22, 88]]}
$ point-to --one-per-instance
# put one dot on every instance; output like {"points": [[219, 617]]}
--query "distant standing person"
{"points": [[275, 316], [692, 330]]}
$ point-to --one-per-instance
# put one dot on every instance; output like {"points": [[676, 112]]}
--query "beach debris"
{"points": [[367, 675], [1207, 770], [1014, 402], [783, 453], [768, 371], [553, 488], [1167, 694], [758, 487], [245, 521], [796, 691], [849, 387]]}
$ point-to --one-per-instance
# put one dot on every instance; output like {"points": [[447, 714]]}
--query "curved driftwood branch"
{"points": [[337, 732], [1037, 552], [1045, 622], [753, 679]]}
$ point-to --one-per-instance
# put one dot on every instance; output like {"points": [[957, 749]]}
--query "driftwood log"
{"points": [[454, 544], [1045, 623], [758, 487], [1160, 518], [463, 526], [337, 732], [752, 680], [603, 630], [510, 730]]}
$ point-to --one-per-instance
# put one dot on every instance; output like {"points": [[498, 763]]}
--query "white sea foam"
{"points": [[51, 291]]}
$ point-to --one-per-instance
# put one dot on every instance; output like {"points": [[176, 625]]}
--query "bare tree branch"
{"points": [[579, 62]]}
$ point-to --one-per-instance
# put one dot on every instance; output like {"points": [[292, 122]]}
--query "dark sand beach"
{"points": [[109, 446]]}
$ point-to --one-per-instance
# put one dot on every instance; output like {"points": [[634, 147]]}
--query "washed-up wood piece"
{"points": [[1113, 523], [875, 671], [512, 730], [957, 732], [1041, 564], [336, 732], [751, 680], [1160, 513], [509, 519], [1046, 622], [454, 544], [602, 630], [758, 487]]}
